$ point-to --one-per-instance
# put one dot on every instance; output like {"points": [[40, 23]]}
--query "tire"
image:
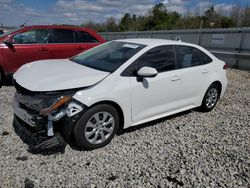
{"points": [[97, 127], [210, 99], [1, 77]]}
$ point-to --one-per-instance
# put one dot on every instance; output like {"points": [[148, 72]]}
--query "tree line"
{"points": [[159, 18]]}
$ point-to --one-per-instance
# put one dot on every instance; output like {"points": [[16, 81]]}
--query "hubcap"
{"points": [[99, 127], [211, 98]]}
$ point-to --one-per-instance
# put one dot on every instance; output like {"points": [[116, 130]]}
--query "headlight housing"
{"points": [[57, 104], [45, 102]]}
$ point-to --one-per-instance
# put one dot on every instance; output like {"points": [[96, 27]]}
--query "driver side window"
{"points": [[36, 36], [161, 58]]}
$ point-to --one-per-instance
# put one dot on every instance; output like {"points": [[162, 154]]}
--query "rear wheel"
{"points": [[96, 127], [211, 97]]}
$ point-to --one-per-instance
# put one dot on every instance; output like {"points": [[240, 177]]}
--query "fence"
{"points": [[231, 45]]}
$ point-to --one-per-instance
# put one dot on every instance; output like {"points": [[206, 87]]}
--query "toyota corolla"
{"points": [[116, 85]]}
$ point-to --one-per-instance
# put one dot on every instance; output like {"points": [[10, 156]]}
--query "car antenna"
{"points": [[25, 22]]}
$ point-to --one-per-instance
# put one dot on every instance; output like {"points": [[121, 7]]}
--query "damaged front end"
{"points": [[46, 116]]}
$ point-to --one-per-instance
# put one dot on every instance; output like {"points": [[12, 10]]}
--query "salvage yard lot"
{"points": [[188, 149]]}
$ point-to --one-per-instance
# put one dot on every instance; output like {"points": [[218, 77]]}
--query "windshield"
{"points": [[9, 32], [109, 56]]}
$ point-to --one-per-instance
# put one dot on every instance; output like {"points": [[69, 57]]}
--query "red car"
{"points": [[33, 43]]}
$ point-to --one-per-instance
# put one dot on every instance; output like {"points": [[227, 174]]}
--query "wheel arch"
{"points": [[217, 82], [117, 107]]}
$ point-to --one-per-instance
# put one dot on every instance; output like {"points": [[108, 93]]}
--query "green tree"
{"points": [[210, 17], [160, 18], [246, 17], [111, 24], [125, 22], [226, 22]]}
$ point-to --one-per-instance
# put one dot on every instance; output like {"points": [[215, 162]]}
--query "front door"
{"points": [[27, 46], [155, 96]]}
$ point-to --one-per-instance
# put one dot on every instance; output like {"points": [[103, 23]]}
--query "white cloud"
{"points": [[224, 8], [78, 5], [5, 1], [80, 11], [176, 5]]}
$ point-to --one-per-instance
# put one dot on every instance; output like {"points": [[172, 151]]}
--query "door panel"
{"points": [[28, 46], [21, 54], [61, 43], [193, 80], [158, 95], [62, 51], [81, 47], [84, 41], [64, 44], [155, 96], [195, 73]]}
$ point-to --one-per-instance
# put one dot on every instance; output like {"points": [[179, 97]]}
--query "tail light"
{"points": [[225, 67]]}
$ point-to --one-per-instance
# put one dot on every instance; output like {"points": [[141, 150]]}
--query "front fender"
{"points": [[112, 89]]}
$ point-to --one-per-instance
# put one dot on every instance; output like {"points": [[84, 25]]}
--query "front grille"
{"points": [[29, 110]]}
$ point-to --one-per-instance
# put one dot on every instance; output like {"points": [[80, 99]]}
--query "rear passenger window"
{"points": [[189, 57], [62, 36], [81, 36], [161, 58]]}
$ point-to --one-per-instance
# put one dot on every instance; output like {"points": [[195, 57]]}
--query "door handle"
{"points": [[176, 78], [80, 48], [43, 49], [204, 71]]}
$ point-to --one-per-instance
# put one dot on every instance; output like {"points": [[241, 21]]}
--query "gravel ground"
{"points": [[191, 149]]}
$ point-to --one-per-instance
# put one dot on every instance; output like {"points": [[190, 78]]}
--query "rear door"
{"points": [[84, 41], [28, 46], [61, 43], [195, 74], [65, 43]]}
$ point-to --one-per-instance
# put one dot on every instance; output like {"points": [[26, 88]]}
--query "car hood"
{"points": [[55, 75]]}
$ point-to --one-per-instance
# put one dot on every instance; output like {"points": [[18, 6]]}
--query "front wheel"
{"points": [[97, 126], [210, 99], [1, 77]]}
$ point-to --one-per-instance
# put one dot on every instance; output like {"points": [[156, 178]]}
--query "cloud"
{"points": [[5, 1], [224, 8], [176, 5], [80, 11]]}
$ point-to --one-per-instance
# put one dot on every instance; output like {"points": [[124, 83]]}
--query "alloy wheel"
{"points": [[99, 127], [211, 98]]}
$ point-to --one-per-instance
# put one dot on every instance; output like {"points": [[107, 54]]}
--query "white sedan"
{"points": [[114, 86]]}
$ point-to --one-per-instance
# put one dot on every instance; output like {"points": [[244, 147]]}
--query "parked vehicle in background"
{"points": [[32, 43], [1, 32], [114, 86]]}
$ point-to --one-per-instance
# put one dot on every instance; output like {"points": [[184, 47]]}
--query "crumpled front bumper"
{"points": [[37, 139], [45, 132]]}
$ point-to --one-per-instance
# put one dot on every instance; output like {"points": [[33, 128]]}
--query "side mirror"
{"points": [[147, 72], [8, 43]]}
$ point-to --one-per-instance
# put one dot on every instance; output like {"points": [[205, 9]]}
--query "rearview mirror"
{"points": [[147, 72], [8, 43]]}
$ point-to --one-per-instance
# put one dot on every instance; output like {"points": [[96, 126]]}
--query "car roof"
{"points": [[154, 42], [59, 27]]}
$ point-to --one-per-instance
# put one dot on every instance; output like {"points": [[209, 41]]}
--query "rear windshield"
{"points": [[109, 56]]}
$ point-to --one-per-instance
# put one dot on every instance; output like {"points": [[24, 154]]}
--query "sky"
{"points": [[17, 12]]}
